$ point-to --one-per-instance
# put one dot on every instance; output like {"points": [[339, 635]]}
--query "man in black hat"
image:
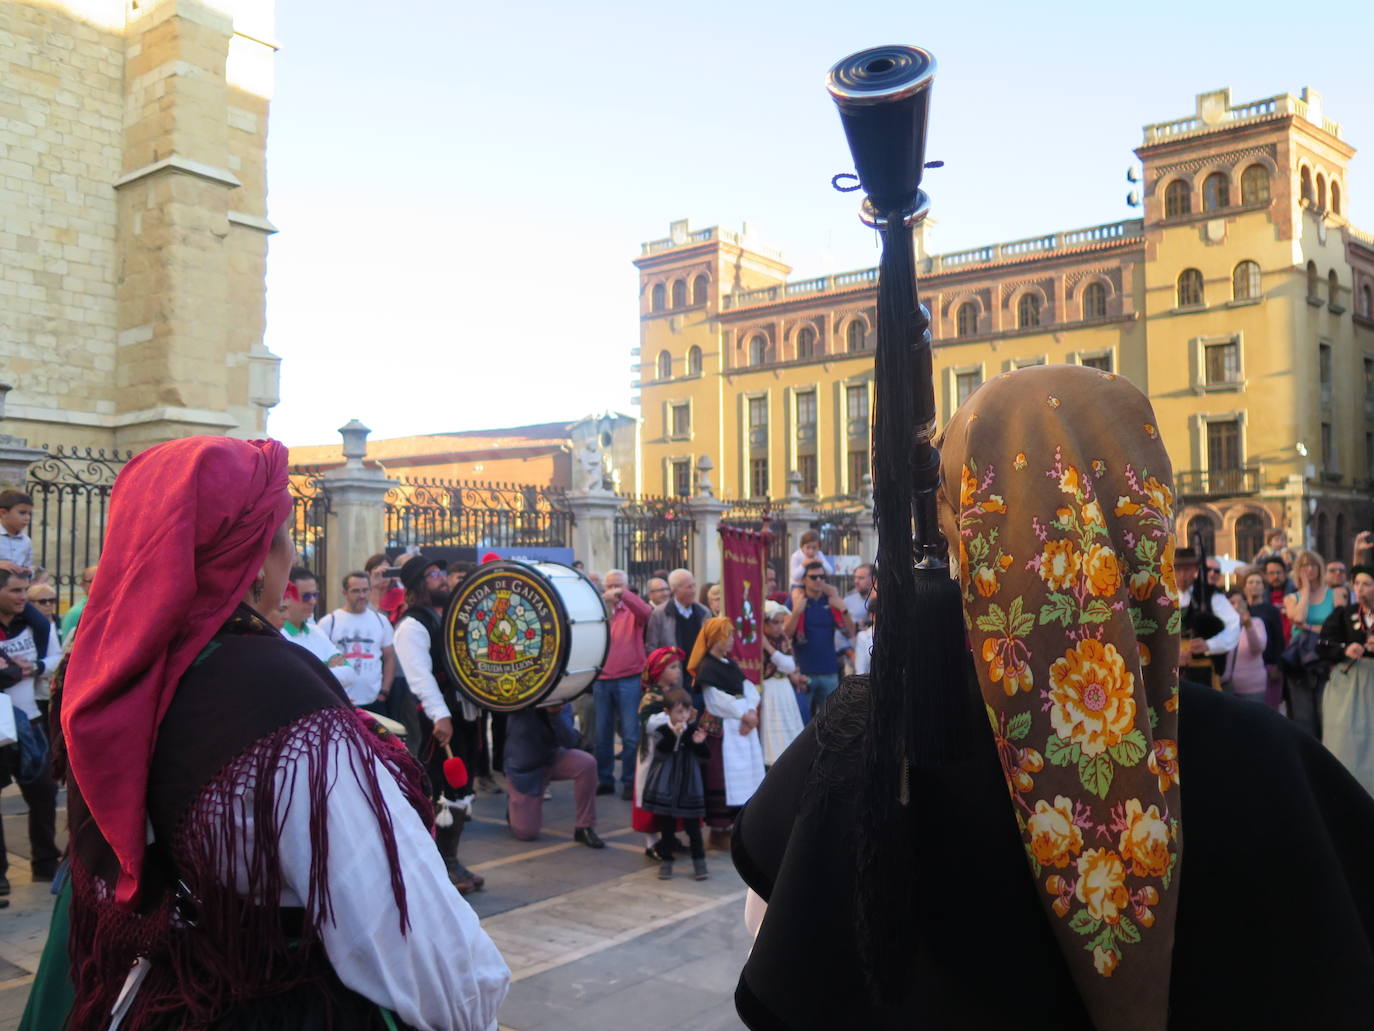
{"points": [[445, 724], [1211, 631]]}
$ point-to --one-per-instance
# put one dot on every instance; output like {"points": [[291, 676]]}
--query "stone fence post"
{"points": [[355, 528], [706, 508], [15, 454], [593, 532], [795, 514], [868, 530]]}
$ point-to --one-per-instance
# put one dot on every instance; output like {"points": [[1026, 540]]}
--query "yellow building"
{"points": [[133, 219], [1242, 302]]}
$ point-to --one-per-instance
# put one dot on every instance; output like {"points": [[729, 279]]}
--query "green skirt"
{"points": [[50, 998]]}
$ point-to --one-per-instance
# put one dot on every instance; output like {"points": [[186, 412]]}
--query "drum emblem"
{"points": [[504, 637]]}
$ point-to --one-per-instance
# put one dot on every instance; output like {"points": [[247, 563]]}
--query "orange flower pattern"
{"points": [[1085, 724]]}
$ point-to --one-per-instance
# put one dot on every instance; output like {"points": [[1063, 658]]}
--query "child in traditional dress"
{"points": [[674, 790], [662, 672], [780, 715]]}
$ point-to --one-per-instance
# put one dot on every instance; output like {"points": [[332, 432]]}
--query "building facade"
{"points": [[1241, 302], [133, 219]]}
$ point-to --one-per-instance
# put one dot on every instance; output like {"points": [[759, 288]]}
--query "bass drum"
{"points": [[518, 634]]}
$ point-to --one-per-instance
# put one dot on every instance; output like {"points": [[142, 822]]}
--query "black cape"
{"points": [[1276, 905]]}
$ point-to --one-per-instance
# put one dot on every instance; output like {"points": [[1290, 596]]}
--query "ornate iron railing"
{"points": [[71, 499], [653, 535], [477, 515], [309, 520]]}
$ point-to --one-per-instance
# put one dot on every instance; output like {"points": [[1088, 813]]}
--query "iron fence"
{"points": [[653, 534], [71, 500], [309, 519], [840, 535], [442, 513]]}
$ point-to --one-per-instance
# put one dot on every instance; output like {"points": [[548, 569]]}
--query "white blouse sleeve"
{"points": [[412, 652], [726, 706], [444, 973], [783, 663]]}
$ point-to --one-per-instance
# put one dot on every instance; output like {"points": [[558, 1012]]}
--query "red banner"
{"points": [[742, 581]]}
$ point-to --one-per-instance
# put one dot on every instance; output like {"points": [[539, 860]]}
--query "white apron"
{"points": [[741, 756]]}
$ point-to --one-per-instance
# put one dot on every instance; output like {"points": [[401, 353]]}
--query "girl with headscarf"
{"points": [[1039, 868], [780, 716], [247, 851], [734, 701], [662, 671]]}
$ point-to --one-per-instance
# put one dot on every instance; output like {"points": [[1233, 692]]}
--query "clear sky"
{"points": [[461, 187]]}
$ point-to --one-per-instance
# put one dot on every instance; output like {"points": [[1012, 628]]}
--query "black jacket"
{"points": [[1340, 629]]}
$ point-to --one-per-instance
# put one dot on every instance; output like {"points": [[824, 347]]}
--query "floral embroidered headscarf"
{"points": [[1057, 497]]}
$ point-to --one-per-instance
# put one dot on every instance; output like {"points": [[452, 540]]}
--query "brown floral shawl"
{"points": [[1058, 492]]}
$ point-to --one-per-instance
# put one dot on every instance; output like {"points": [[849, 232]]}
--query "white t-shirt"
{"points": [[23, 646], [360, 638], [312, 639]]}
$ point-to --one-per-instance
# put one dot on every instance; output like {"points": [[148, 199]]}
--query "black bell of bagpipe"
{"points": [[884, 99]]}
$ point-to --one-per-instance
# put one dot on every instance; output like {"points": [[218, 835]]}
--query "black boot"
{"points": [[446, 840]]}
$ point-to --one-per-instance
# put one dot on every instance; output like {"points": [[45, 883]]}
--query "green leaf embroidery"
{"points": [[1127, 932], [1035, 863], [1146, 550], [1130, 749], [1084, 923], [1018, 726], [1143, 627], [1154, 716], [1060, 607], [1103, 941], [1061, 754], [1175, 622], [978, 548], [1169, 873], [1096, 773], [1098, 611], [994, 620]]}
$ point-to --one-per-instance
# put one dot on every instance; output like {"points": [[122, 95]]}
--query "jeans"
{"points": [[821, 686], [616, 697], [40, 795]]}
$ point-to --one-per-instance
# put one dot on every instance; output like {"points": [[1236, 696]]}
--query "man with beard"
{"points": [[443, 719]]}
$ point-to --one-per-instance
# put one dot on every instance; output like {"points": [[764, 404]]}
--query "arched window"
{"points": [[1321, 534], [966, 320], [1312, 279], [1028, 311], [660, 297], [664, 368], [1254, 185], [1216, 192], [1201, 526], [806, 342], [701, 287], [1245, 281], [1305, 185], [1189, 288], [1321, 192], [679, 293], [1333, 287], [1366, 301], [694, 362], [856, 336], [1249, 536], [1178, 198], [1335, 197], [758, 349], [1094, 301]]}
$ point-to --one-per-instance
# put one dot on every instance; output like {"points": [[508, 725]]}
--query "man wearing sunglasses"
{"points": [[302, 592], [817, 612]]}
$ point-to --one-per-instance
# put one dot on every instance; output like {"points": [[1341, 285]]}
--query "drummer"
{"points": [[540, 748]]}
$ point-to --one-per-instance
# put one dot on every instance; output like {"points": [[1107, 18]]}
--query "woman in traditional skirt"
{"points": [[662, 672], [781, 718], [735, 768], [1348, 701]]}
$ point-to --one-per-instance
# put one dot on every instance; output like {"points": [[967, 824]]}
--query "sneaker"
{"points": [[4, 885], [605, 789], [489, 785], [44, 873], [699, 869], [464, 874], [665, 871], [587, 836]]}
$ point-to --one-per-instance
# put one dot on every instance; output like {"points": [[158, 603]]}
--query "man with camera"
{"points": [[817, 612]]}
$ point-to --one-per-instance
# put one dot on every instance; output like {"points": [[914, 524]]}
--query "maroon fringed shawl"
{"points": [[250, 705]]}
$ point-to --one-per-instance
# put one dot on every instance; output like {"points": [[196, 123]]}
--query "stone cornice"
{"points": [[166, 413], [177, 163], [262, 225]]}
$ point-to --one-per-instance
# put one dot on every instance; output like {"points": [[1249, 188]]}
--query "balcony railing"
{"points": [[1256, 110], [1210, 483]]}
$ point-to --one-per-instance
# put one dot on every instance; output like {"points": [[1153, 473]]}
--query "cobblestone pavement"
{"points": [[594, 940]]}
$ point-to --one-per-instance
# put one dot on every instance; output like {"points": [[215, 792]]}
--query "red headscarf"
{"points": [[191, 522], [660, 659]]}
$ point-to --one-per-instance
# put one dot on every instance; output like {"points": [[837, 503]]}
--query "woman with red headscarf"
{"points": [[245, 850]]}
